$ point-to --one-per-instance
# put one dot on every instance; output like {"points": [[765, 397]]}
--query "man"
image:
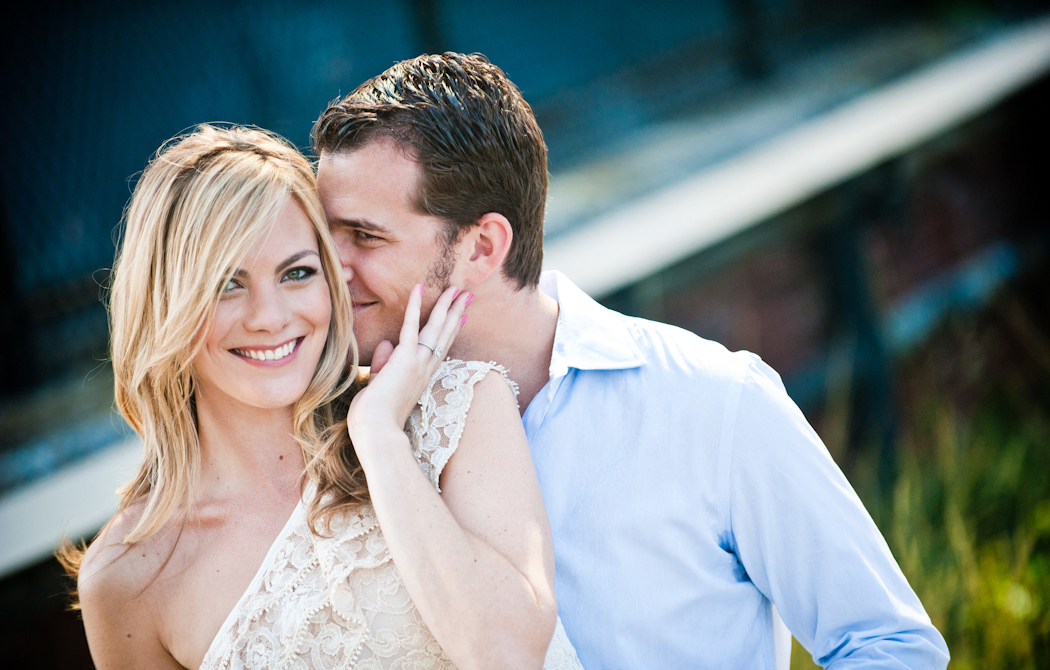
{"points": [[691, 504]]}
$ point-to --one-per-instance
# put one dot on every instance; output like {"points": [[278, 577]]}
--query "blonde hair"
{"points": [[201, 203]]}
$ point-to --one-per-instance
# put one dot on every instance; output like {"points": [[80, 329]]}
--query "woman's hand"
{"points": [[394, 387]]}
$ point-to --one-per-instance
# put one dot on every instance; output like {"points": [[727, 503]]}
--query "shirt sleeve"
{"points": [[807, 543]]}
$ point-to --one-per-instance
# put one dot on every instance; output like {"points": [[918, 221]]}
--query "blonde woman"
{"points": [[249, 537]]}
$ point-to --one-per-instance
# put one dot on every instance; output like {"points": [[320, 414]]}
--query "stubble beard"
{"points": [[438, 274], [439, 271]]}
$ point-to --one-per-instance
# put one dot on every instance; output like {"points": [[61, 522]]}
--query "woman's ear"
{"points": [[484, 247]]}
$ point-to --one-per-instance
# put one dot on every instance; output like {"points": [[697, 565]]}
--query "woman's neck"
{"points": [[246, 451]]}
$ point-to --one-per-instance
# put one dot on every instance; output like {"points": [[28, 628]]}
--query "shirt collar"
{"points": [[588, 336]]}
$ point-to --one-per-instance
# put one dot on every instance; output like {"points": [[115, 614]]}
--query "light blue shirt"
{"points": [[687, 494]]}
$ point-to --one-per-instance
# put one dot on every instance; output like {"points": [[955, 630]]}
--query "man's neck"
{"points": [[515, 329]]}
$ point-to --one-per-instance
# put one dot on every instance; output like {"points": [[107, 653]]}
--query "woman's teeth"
{"points": [[268, 354]]}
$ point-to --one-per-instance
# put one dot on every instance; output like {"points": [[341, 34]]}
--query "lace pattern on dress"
{"points": [[339, 602], [436, 425]]}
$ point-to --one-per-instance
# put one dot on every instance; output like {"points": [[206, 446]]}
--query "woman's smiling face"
{"points": [[271, 322]]}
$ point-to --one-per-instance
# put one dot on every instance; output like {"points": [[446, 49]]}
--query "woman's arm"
{"points": [[477, 559]]}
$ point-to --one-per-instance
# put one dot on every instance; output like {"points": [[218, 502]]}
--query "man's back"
{"points": [[686, 492]]}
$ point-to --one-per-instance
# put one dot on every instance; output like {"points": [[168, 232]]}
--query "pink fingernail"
{"points": [[457, 294], [463, 320], [470, 299], [421, 289]]}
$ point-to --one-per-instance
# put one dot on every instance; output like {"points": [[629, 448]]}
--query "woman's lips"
{"points": [[270, 357]]}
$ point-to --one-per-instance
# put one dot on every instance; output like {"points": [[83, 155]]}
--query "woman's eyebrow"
{"points": [[295, 257]]}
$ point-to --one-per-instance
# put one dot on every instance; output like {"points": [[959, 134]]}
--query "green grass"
{"points": [[968, 517]]}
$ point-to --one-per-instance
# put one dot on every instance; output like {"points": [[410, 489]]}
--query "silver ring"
{"points": [[436, 352]]}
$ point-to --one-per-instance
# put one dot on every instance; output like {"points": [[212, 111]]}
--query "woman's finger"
{"points": [[410, 327], [453, 321], [438, 315], [380, 356], [449, 328]]}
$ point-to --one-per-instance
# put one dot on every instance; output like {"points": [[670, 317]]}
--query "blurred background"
{"points": [[854, 191]]}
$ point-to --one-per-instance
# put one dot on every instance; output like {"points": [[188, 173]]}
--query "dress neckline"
{"points": [[253, 586]]}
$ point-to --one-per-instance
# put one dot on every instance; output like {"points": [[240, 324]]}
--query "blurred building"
{"points": [[817, 182]]}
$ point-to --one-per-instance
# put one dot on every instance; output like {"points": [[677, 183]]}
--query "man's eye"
{"points": [[365, 237], [300, 273]]}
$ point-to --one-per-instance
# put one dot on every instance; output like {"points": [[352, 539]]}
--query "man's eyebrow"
{"points": [[361, 224], [295, 257]]}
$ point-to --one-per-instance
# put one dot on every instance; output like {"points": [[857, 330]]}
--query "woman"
{"points": [[249, 537]]}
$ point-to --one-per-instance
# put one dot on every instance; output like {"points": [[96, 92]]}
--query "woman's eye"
{"points": [[230, 285], [300, 273]]}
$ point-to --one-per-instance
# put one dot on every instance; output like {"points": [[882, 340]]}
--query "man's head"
{"points": [[417, 157]]}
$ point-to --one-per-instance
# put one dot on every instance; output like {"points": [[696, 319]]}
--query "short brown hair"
{"points": [[474, 136]]}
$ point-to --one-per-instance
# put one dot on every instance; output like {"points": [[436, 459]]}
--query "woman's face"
{"points": [[271, 322]]}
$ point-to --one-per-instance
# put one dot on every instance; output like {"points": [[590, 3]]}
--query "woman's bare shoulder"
{"points": [[109, 562], [492, 436], [495, 400], [116, 574], [113, 584]]}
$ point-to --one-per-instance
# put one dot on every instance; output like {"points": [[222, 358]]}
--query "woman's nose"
{"points": [[268, 310]]}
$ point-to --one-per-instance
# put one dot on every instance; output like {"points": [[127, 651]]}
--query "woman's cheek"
{"points": [[322, 305]]}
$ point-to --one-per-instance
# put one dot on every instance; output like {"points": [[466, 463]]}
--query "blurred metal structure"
{"points": [[605, 253]]}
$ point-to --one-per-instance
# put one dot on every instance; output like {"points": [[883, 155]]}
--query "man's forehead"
{"points": [[384, 152], [380, 172], [374, 205]]}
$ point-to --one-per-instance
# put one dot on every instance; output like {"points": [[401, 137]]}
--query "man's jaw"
{"points": [[367, 338], [366, 353]]}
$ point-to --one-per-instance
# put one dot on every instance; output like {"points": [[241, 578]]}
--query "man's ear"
{"points": [[484, 247]]}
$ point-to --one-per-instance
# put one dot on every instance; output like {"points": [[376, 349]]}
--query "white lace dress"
{"points": [[339, 602]]}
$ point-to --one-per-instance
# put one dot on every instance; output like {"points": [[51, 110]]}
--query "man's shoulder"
{"points": [[672, 350], [668, 354]]}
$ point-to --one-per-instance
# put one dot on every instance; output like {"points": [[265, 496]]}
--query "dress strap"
{"points": [[436, 425]]}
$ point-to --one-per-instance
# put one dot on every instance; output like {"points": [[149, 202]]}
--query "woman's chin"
{"points": [[283, 398], [275, 396], [257, 387]]}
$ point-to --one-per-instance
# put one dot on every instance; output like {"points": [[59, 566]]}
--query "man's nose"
{"points": [[344, 249]]}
